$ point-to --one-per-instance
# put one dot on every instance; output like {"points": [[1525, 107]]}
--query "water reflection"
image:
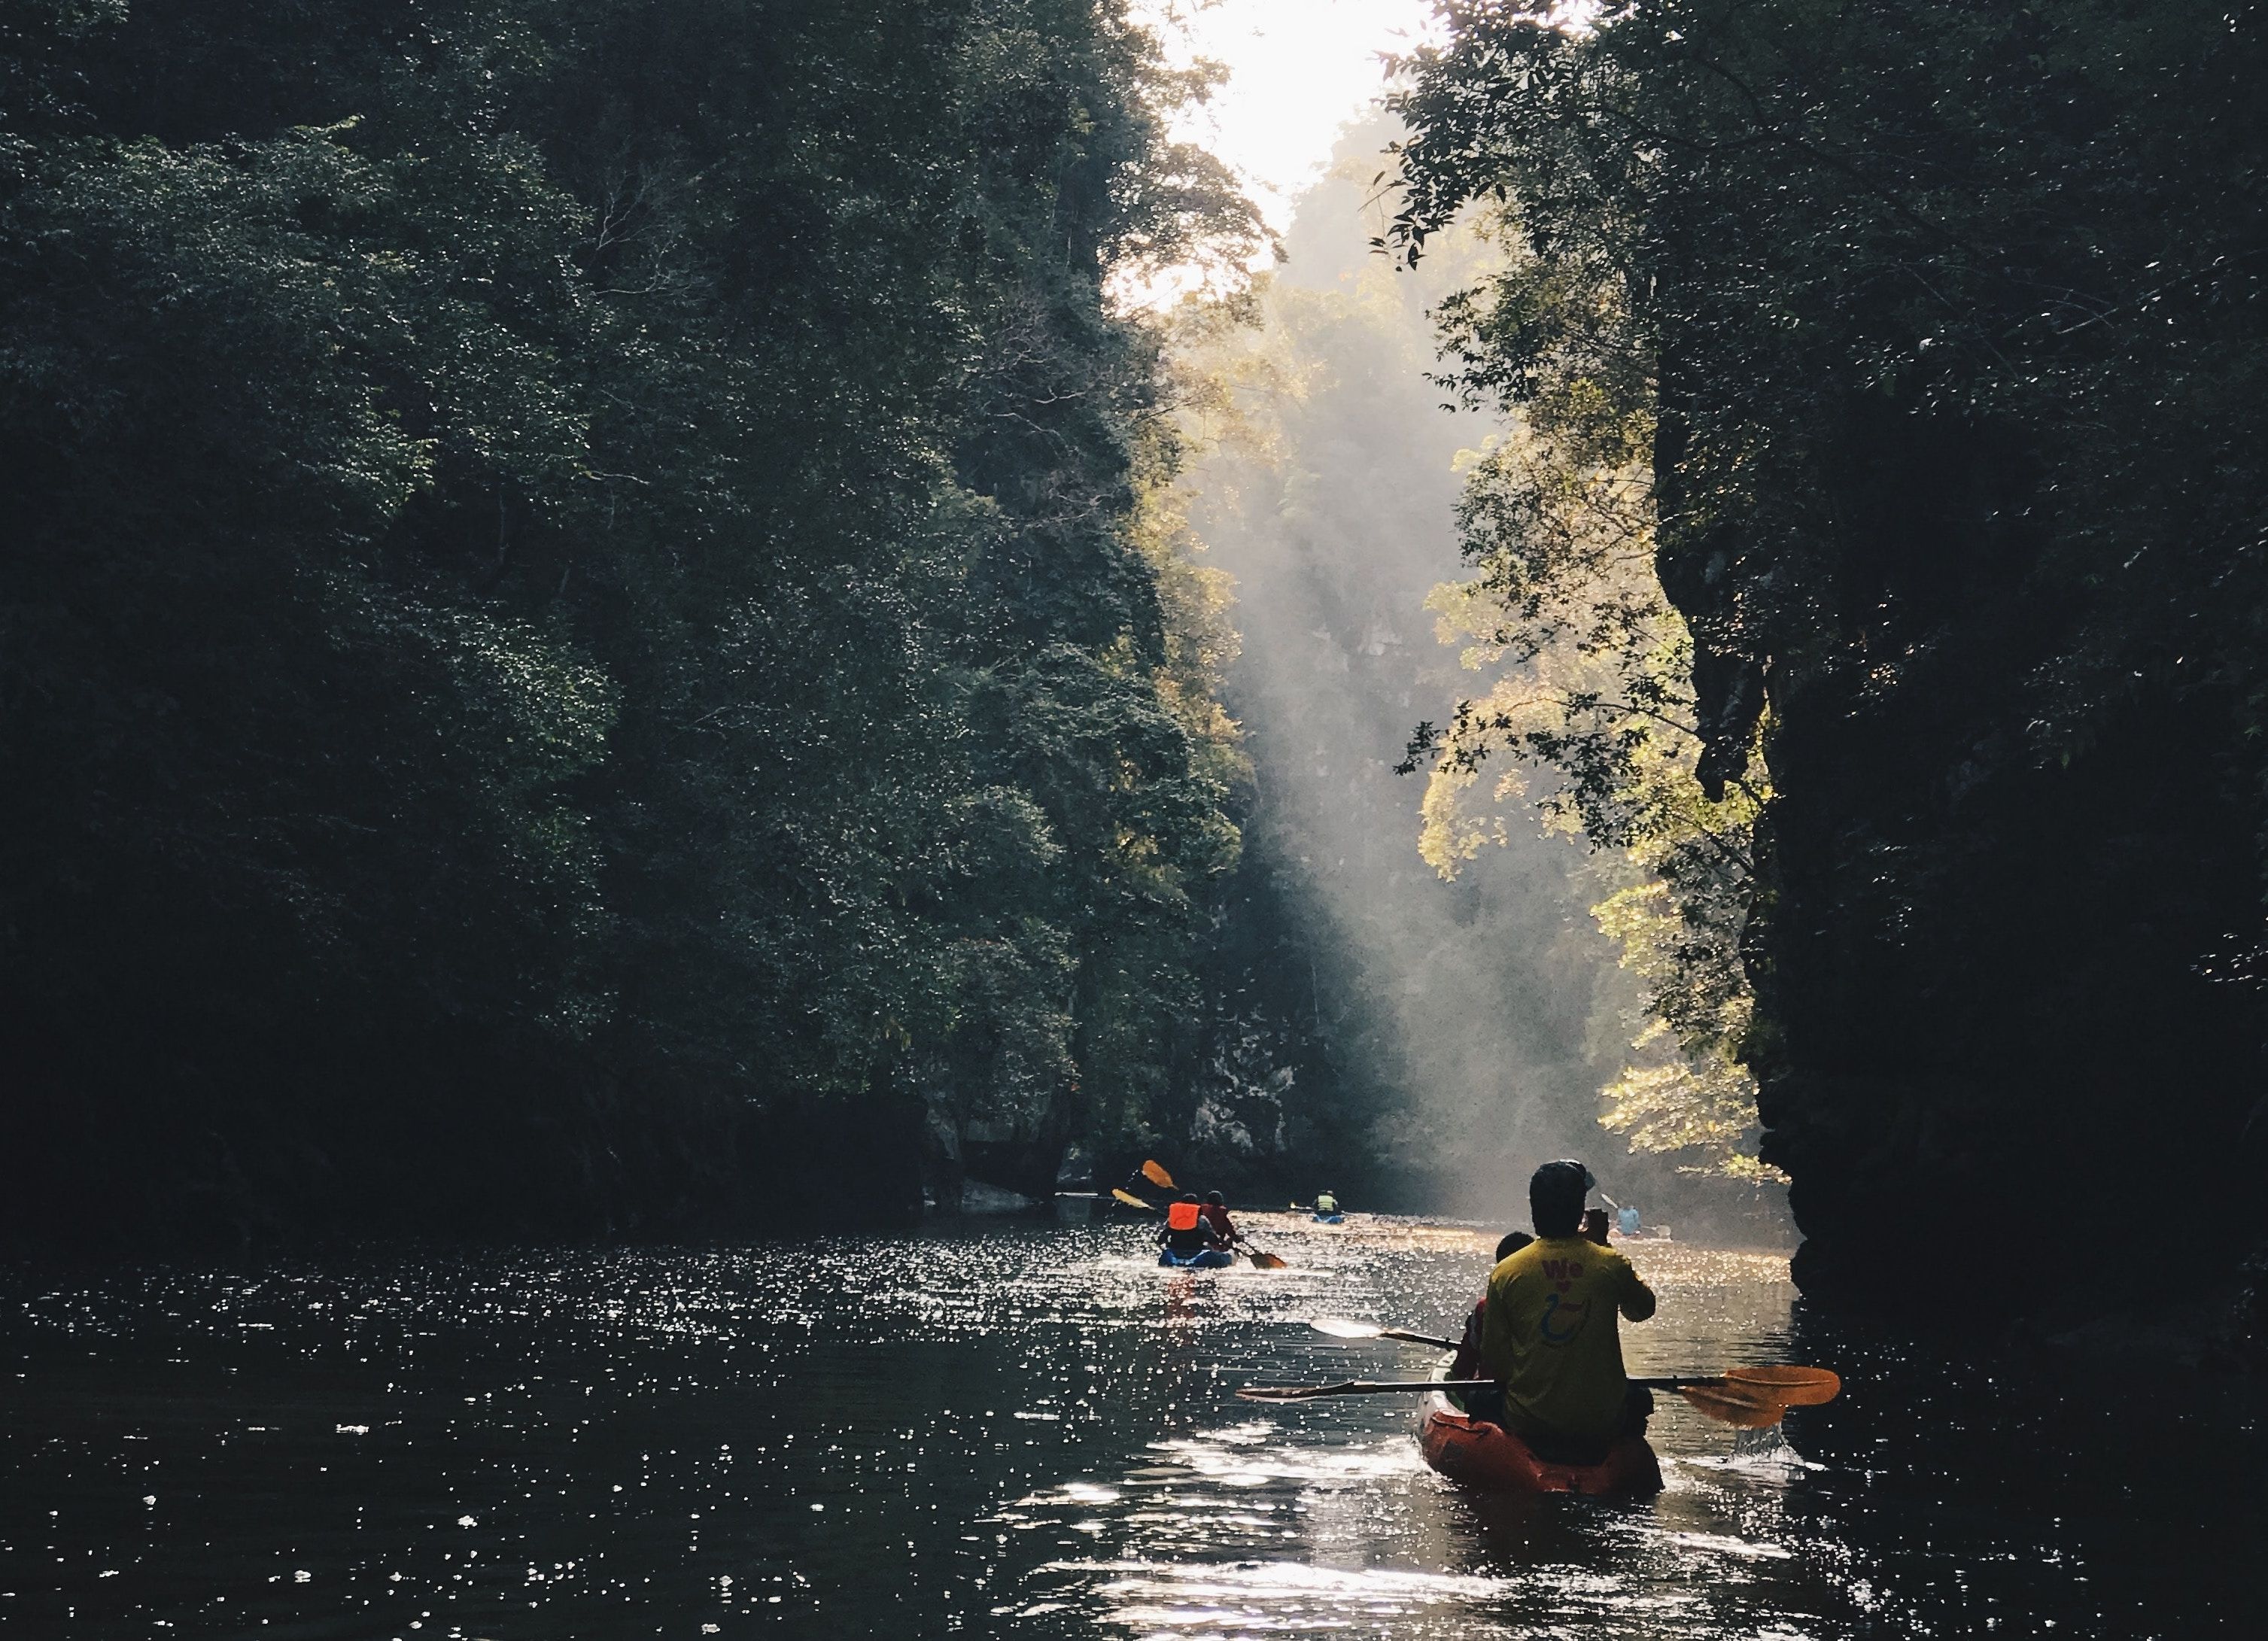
{"points": [[1025, 1432]]}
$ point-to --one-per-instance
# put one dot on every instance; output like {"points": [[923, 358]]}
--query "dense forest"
{"points": [[612, 620], [1886, 536], [583, 639]]}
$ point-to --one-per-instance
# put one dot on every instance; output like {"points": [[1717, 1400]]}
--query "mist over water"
{"points": [[1465, 1013]]}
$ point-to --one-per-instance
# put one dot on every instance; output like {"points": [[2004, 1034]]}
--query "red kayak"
{"points": [[1481, 1454]]}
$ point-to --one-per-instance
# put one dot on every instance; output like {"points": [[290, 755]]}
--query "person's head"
{"points": [[1555, 1197], [1513, 1242], [1216, 1199], [1188, 1196]]}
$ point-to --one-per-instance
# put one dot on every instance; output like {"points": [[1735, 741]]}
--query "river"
{"points": [[1027, 1430]]}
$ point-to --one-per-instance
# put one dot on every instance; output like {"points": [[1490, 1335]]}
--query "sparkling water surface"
{"points": [[1027, 1430]]}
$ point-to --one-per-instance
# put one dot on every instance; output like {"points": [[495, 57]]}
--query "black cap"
{"points": [[1561, 1185], [1215, 1196]]}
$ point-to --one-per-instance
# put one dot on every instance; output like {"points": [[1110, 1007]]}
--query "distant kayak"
{"points": [[1327, 1219], [1205, 1259], [1481, 1454]]}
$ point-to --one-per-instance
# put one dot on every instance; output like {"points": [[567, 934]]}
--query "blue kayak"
{"points": [[1203, 1259], [1327, 1219]]}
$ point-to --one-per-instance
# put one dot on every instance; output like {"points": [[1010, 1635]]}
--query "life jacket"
{"points": [[1182, 1216]]}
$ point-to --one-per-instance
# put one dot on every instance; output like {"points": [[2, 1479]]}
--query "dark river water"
{"points": [[1027, 1431]]}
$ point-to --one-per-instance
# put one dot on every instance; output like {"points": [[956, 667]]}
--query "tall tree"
{"points": [[1942, 322], [577, 653]]}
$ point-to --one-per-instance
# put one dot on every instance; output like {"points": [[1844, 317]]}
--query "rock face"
{"points": [[1994, 986]]}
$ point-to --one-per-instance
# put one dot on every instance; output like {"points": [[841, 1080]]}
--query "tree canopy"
{"points": [[579, 644], [1931, 334]]}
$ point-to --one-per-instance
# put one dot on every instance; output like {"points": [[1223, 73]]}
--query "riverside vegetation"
{"points": [[1882, 561], [578, 643], [600, 632], [605, 632]]}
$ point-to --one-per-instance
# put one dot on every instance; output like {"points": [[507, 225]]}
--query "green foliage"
{"points": [[575, 590], [1944, 324], [1592, 693]]}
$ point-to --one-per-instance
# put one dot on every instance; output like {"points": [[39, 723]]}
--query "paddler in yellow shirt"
{"points": [[1550, 1333]]}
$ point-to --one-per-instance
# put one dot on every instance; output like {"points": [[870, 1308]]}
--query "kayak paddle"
{"points": [[1722, 1402], [1358, 1388], [1733, 1398], [1340, 1327], [1132, 1201], [1156, 1175], [1790, 1386], [1798, 1386]]}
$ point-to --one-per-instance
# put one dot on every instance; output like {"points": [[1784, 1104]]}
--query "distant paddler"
{"points": [[1327, 1207], [1188, 1238]]}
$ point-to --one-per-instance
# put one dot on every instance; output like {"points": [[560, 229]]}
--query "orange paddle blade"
{"points": [[1156, 1175], [1264, 1262], [1727, 1405], [1794, 1386], [1132, 1201]]}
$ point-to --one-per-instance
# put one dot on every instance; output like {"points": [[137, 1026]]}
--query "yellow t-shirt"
{"points": [[1550, 1334]]}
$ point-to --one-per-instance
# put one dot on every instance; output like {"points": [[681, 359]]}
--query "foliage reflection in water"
{"points": [[1019, 1430]]}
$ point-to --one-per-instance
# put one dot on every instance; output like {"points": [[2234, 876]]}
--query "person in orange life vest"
{"points": [[1467, 1362], [1551, 1336], [1187, 1230], [1215, 1213]]}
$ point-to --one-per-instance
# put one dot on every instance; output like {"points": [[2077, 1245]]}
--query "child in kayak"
{"points": [[1215, 1213]]}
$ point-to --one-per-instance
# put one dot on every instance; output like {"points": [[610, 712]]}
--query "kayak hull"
{"points": [[1209, 1259], [1485, 1455], [1327, 1219]]}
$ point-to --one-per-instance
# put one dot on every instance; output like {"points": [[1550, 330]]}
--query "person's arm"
{"points": [[1468, 1360], [1637, 1301]]}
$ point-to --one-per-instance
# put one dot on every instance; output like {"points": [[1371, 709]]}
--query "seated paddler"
{"points": [[1187, 1232], [1550, 1333]]}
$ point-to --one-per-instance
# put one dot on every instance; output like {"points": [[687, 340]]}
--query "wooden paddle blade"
{"points": [[1794, 1386], [1727, 1405], [1264, 1262], [1132, 1201], [1157, 1176]]}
